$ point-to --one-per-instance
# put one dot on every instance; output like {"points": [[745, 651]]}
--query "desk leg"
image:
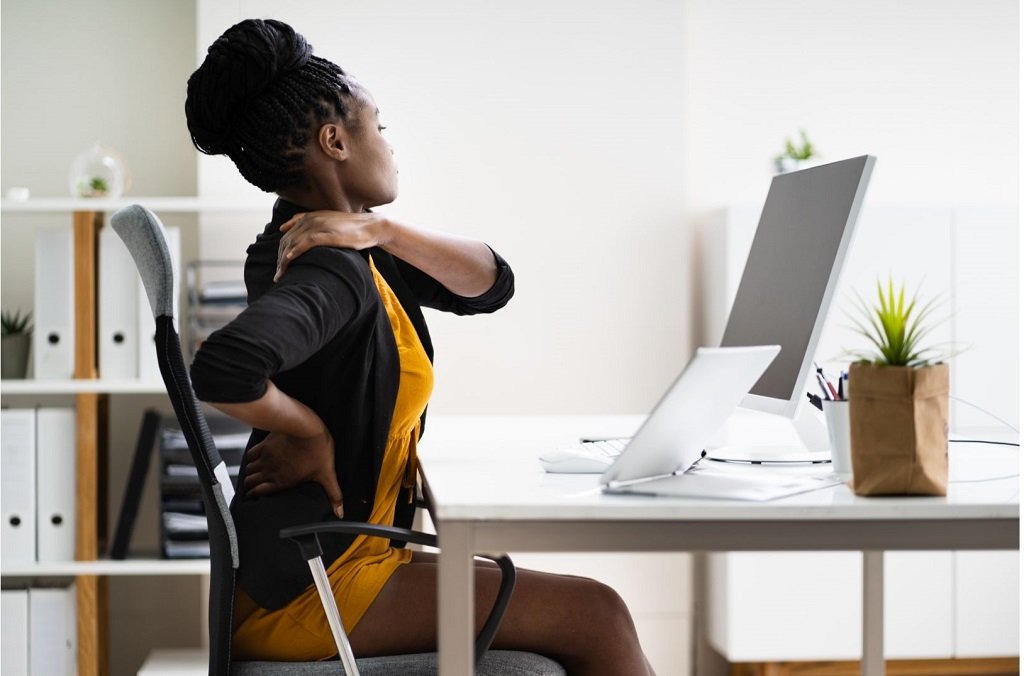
{"points": [[873, 652], [455, 600]]}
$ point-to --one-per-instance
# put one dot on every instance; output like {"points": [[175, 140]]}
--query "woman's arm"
{"points": [[464, 266], [299, 447], [233, 367]]}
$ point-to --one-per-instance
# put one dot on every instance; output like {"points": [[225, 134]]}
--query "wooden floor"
{"points": [[982, 667]]}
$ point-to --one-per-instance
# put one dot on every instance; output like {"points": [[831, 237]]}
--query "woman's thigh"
{"points": [[556, 615]]}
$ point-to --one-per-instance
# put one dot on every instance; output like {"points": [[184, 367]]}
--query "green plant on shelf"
{"points": [[803, 152], [15, 323], [96, 186]]}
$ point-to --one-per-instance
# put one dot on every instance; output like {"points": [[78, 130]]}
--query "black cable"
{"points": [[983, 441]]}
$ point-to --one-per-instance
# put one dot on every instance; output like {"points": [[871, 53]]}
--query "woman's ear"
{"points": [[333, 141]]}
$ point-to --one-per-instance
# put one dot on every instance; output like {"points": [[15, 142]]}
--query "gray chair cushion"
{"points": [[495, 663]]}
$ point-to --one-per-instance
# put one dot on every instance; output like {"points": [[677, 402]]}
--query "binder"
{"points": [[149, 370], [18, 479], [118, 303], [14, 632], [53, 338], [55, 484], [52, 634], [144, 446]]}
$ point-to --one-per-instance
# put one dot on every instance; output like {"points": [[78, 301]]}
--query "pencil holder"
{"points": [[837, 420]]}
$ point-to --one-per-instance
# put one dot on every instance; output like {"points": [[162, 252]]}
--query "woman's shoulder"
{"points": [[330, 267], [347, 263]]}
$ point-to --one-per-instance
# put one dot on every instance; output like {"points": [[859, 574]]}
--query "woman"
{"points": [[331, 365]]}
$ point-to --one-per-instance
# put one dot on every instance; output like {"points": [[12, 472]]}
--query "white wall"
{"points": [[553, 131], [928, 86]]}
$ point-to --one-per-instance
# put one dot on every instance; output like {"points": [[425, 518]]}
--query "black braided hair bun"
{"points": [[240, 65]]}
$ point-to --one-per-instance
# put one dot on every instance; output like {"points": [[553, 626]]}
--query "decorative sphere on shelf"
{"points": [[99, 172]]}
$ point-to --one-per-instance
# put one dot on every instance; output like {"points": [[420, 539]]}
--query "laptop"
{"points": [[662, 458]]}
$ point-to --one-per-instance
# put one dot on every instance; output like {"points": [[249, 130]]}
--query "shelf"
{"points": [[162, 204], [80, 386], [151, 566]]}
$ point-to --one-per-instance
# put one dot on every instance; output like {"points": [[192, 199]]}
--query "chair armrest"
{"points": [[305, 536], [359, 528]]}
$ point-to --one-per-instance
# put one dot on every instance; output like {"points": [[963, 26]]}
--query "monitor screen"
{"points": [[791, 273]]}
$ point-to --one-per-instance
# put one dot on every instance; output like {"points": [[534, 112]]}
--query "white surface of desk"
{"points": [[491, 494]]}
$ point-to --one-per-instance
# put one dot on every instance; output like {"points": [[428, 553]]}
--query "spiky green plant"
{"points": [[895, 327], [804, 151], [15, 324]]}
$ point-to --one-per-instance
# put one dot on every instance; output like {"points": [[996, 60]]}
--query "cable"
{"points": [[978, 481], [988, 413], [984, 441]]}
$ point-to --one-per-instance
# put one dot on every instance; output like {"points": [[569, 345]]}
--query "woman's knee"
{"points": [[607, 602]]}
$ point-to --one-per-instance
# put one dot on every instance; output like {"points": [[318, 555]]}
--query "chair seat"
{"points": [[495, 663]]}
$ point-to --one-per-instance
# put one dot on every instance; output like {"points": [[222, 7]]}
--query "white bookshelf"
{"points": [[99, 386], [133, 566], [162, 204], [176, 662], [90, 395]]}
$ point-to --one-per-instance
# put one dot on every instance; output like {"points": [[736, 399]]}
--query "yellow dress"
{"points": [[299, 630]]}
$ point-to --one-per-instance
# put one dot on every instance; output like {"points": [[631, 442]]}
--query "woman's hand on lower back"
{"points": [[281, 461]]}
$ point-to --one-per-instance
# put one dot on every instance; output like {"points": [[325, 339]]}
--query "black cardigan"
{"points": [[323, 336]]}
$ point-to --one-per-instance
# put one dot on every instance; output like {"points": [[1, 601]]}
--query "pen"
{"points": [[815, 400], [823, 385], [830, 392], [842, 377]]}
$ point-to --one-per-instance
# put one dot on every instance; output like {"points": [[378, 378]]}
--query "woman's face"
{"points": [[371, 176]]}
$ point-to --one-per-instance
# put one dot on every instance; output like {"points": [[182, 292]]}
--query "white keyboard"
{"points": [[589, 457], [609, 448]]}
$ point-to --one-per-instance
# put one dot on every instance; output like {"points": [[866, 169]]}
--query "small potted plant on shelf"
{"points": [[14, 343], [899, 398], [97, 187], [795, 156]]}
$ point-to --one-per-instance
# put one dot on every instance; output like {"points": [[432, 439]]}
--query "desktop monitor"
{"points": [[791, 275]]}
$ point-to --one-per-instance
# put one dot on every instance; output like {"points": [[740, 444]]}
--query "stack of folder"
{"points": [[39, 634], [183, 530], [37, 473], [216, 295]]}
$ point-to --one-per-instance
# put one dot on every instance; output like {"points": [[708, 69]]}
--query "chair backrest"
{"points": [[143, 234]]}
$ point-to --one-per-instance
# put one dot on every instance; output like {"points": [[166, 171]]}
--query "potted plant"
{"points": [[795, 156], [15, 342], [899, 398], [97, 186]]}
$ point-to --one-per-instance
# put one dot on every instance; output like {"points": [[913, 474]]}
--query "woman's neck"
{"points": [[316, 199]]}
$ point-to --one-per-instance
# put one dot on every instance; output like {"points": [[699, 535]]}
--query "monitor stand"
{"points": [[756, 437]]}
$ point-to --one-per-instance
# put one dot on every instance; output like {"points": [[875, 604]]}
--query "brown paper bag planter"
{"points": [[899, 426]]}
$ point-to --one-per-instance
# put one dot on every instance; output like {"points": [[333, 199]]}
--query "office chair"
{"points": [[142, 232]]}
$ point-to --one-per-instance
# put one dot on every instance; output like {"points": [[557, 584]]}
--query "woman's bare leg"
{"points": [[580, 623]]}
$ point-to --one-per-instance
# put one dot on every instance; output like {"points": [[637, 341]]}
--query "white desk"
{"points": [[492, 496]]}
